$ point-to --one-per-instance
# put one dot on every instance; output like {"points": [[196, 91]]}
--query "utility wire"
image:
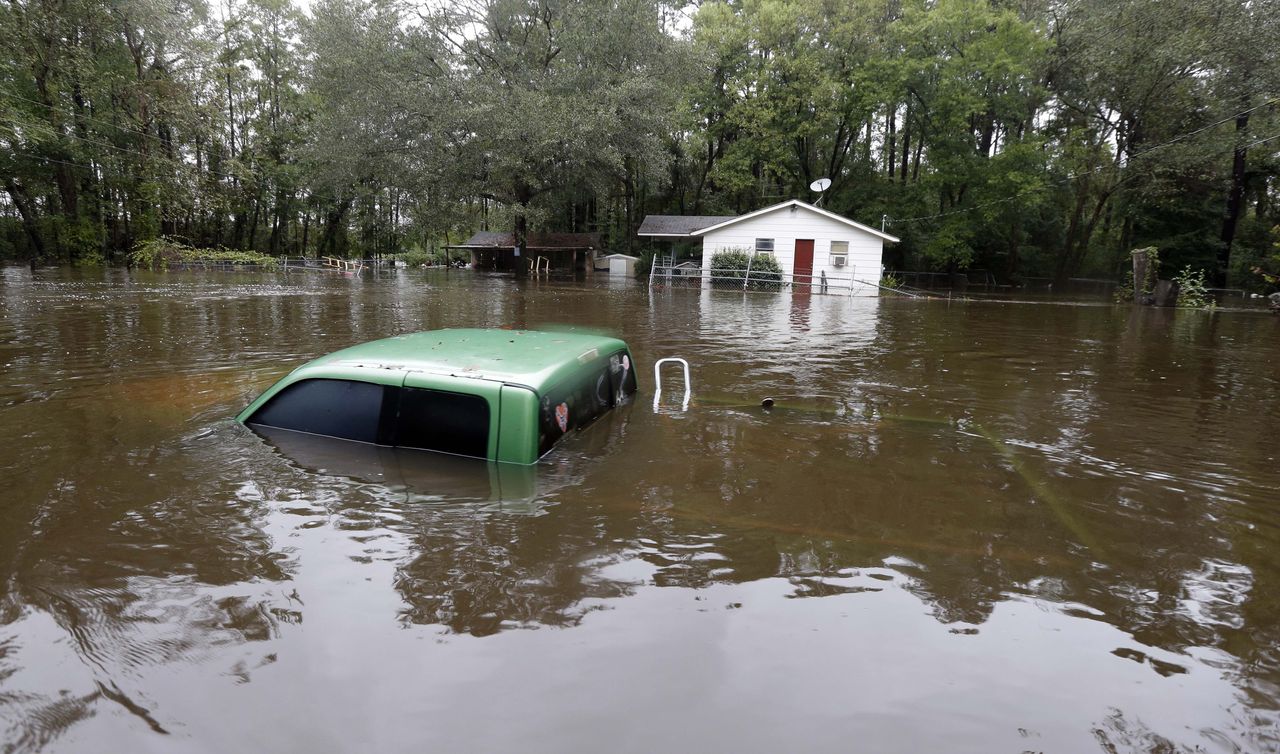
{"points": [[80, 116], [53, 132], [309, 195], [123, 150], [1259, 141], [126, 151]]}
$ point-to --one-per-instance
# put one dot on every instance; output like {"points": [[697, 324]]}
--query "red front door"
{"points": [[803, 272]]}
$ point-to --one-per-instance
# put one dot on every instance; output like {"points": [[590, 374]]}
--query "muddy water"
{"points": [[968, 527]]}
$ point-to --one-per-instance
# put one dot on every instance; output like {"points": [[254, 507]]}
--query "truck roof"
{"points": [[533, 358]]}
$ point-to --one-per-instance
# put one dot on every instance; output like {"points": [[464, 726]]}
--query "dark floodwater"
{"points": [[968, 527]]}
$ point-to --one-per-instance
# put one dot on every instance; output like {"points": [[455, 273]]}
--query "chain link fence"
{"points": [[692, 275]]}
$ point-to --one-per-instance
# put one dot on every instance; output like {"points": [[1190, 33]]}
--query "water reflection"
{"points": [[422, 476], [963, 527]]}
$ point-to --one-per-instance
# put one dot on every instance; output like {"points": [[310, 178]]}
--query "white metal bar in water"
{"points": [[657, 381]]}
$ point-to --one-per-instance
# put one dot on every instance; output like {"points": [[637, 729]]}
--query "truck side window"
{"points": [[446, 422], [335, 408]]}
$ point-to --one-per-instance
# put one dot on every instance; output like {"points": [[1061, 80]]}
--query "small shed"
{"points": [[622, 264]]}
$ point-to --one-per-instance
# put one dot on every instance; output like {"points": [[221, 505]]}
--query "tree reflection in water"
{"points": [[1002, 500]]}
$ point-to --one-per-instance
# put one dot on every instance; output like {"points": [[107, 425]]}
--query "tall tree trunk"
{"points": [[702, 176], [629, 198], [306, 231], [915, 161], [1081, 232], [988, 134], [906, 142], [329, 241], [237, 229], [1235, 200], [257, 212], [521, 236], [1065, 266], [891, 141], [29, 223]]}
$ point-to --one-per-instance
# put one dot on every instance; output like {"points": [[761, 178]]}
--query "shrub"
{"points": [[645, 263], [1269, 270], [166, 250], [1193, 292], [731, 267], [415, 257]]}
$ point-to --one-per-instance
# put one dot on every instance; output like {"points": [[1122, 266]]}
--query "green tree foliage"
{"points": [[552, 104], [1028, 139]]}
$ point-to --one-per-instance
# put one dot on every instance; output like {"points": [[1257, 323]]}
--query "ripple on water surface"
{"points": [[963, 527]]}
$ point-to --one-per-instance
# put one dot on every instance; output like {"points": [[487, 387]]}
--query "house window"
{"points": [[839, 253], [764, 245]]}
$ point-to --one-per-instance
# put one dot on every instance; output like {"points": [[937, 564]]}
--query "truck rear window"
{"points": [[382, 414]]}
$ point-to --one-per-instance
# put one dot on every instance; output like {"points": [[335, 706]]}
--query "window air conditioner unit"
{"points": [[837, 260]]}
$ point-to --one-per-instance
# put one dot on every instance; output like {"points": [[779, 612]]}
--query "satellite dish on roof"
{"points": [[820, 185]]}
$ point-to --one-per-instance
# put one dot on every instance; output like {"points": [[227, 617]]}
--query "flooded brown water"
{"points": [[966, 527]]}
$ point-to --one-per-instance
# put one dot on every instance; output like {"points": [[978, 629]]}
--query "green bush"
{"points": [[645, 263], [731, 267], [1269, 269], [165, 250], [415, 257], [1193, 292]]}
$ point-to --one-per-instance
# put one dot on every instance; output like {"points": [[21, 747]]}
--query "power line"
{"points": [[1259, 141], [80, 116], [52, 132], [124, 150], [310, 195]]}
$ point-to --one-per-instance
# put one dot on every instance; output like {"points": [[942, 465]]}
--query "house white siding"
{"points": [[788, 223]]}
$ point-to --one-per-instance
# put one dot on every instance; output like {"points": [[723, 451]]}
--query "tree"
{"points": [[552, 101]]}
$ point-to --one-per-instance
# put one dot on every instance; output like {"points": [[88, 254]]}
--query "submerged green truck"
{"points": [[504, 395]]}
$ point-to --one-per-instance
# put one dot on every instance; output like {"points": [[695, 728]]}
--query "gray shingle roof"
{"points": [[678, 225], [487, 239]]}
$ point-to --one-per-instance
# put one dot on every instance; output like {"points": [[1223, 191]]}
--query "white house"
{"points": [[807, 241]]}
